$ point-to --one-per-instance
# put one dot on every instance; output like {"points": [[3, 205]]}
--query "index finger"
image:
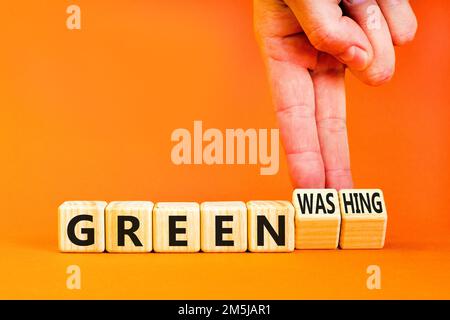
{"points": [[293, 94], [328, 78], [288, 54]]}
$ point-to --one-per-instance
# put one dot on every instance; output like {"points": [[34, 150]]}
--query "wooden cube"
{"points": [[81, 226], [129, 226], [270, 226], [176, 227], [223, 226], [364, 219], [317, 218]]}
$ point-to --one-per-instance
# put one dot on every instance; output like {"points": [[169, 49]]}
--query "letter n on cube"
{"points": [[270, 226]]}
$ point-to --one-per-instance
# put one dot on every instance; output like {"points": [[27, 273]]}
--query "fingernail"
{"points": [[355, 58]]}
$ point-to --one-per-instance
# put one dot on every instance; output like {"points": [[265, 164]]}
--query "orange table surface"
{"points": [[408, 271]]}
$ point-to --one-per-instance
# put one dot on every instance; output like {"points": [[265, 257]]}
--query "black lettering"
{"points": [[262, 222], [320, 205], [365, 203], [348, 202], [355, 195], [330, 202], [220, 230], [305, 204], [89, 232], [377, 205], [122, 232], [173, 231]]}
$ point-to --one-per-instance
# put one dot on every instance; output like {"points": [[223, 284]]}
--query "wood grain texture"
{"points": [[142, 211], [271, 210], [364, 219], [187, 235], [70, 209], [317, 218], [237, 210]]}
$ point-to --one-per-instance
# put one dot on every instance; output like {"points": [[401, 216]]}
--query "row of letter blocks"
{"points": [[316, 219]]}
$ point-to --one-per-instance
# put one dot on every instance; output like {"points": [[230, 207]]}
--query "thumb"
{"points": [[331, 32]]}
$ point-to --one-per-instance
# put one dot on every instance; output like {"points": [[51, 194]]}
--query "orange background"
{"points": [[88, 115]]}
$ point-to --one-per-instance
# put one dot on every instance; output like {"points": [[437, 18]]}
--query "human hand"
{"points": [[306, 46]]}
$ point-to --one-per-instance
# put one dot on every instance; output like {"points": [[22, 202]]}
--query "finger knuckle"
{"points": [[380, 76], [339, 173], [296, 111], [321, 36], [335, 125]]}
